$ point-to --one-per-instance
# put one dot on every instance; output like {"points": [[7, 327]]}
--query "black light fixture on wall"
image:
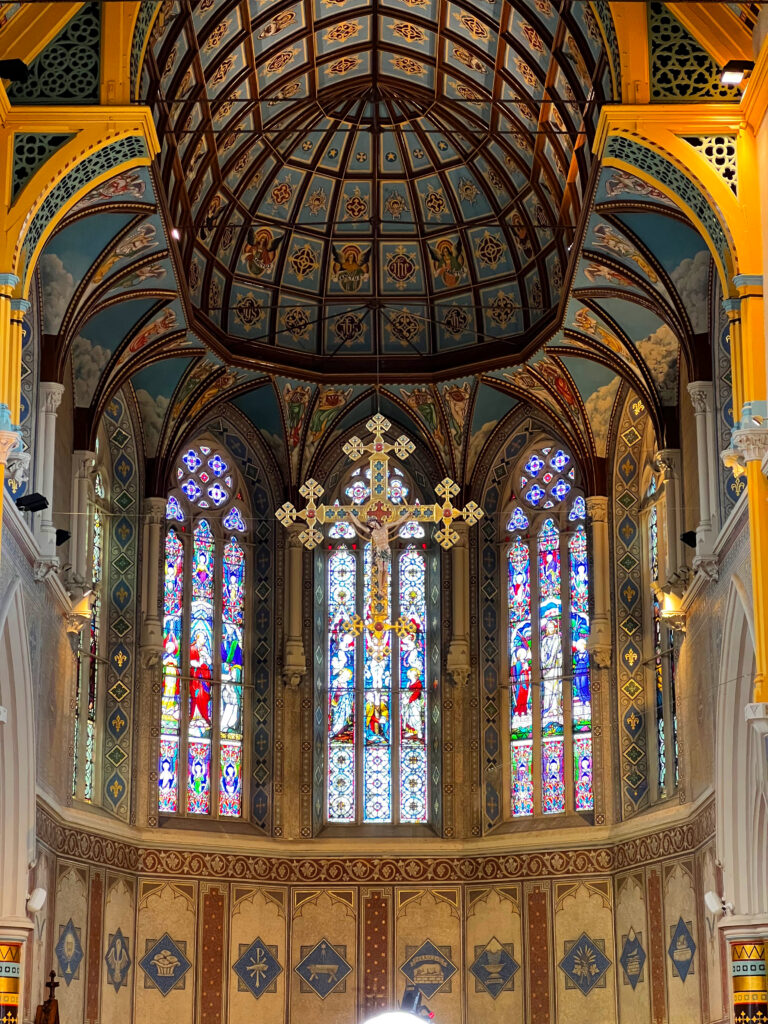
{"points": [[33, 502], [14, 70], [689, 538]]}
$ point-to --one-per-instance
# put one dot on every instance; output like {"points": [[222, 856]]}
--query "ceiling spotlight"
{"points": [[31, 502], [175, 233], [735, 71]]}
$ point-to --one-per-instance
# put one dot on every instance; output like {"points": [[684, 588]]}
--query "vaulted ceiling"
{"points": [[400, 177]]}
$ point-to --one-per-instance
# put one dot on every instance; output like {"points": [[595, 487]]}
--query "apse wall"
{"points": [[616, 931]]}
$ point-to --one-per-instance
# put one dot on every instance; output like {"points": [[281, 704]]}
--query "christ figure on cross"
{"points": [[379, 534]]}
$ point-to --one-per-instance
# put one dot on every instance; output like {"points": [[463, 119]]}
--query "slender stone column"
{"points": [[49, 399], [604, 737], [457, 662], [702, 399], [150, 659], [79, 575], [294, 657], [676, 572]]}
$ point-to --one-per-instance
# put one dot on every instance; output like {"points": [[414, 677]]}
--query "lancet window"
{"points": [[661, 661], [550, 704], [376, 692], [201, 769], [90, 665]]}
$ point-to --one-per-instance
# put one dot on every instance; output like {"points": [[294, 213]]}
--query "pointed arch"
{"points": [[17, 759]]}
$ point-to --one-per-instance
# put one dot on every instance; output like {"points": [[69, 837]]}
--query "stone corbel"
{"points": [[756, 716], [457, 663], [708, 565], [294, 662], [76, 620], [10, 439], [44, 569]]}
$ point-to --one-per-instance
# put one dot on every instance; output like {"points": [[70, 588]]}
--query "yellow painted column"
{"points": [[10, 380], [750, 439]]}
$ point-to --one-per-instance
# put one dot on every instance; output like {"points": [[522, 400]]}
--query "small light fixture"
{"points": [[717, 904], [175, 234], [689, 538], [735, 71], [36, 900], [62, 536]]}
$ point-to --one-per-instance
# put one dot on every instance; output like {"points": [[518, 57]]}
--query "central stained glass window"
{"points": [[377, 721], [548, 633], [204, 587]]}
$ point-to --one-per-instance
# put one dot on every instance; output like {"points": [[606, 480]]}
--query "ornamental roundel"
{"points": [[528, 75], [295, 320], [490, 250], [304, 261], [277, 24], [411, 33], [400, 267], [474, 26], [409, 66], [503, 309], [468, 59], [356, 206], [249, 311], [470, 95], [342, 31], [435, 203], [468, 191], [404, 327], [533, 37], [280, 61], [214, 39], [281, 192], [455, 321], [349, 328], [343, 66]]}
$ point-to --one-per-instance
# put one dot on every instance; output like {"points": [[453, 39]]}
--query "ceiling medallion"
{"points": [[400, 267], [411, 33], [490, 250], [409, 66], [404, 327], [350, 328], [342, 31], [277, 24], [304, 261], [295, 320], [249, 311], [455, 321], [395, 205], [343, 66]]}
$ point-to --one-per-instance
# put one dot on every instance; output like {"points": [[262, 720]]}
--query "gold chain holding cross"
{"points": [[378, 519]]}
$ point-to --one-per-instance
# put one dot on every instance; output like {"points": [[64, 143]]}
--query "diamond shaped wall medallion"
{"points": [[118, 960], [164, 964], [681, 949], [257, 968], [69, 951], [632, 957], [323, 967], [494, 967], [584, 964], [428, 968]]}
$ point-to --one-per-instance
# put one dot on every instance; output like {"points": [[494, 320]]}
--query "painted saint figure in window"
{"points": [[203, 623], [538, 528]]}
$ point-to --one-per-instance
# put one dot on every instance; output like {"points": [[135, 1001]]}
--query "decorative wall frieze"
{"points": [[78, 844]]}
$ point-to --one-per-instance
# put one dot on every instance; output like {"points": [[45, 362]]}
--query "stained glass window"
{"points": [[377, 698], [203, 639], [665, 697], [89, 669], [550, 695]]}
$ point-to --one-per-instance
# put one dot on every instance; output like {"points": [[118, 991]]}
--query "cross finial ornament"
{"points": [[377, 520], [52, 985]]}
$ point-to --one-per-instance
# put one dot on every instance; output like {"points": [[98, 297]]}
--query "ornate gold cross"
{"points": [[379, 515]]}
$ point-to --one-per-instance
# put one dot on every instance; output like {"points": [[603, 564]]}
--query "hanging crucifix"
{"points": [[378, 520]]}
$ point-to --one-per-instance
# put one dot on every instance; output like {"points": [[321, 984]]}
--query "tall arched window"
{"points": [[377, 690], [662, 661], [548, 608], [91, 660], [201, 762]]}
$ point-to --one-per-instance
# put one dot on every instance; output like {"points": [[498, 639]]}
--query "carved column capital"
{"points": [[50, 394], [154, 510], [597, 508], [751, 443], [84, 462], [668, 463], [701, 393], [10, 441]]}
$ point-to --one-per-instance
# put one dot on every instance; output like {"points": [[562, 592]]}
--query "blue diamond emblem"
{"points": [[69, 951], [165, 964], [257, 968], [632, 958], [495, 968], [118, 960], [428, 969], [584, 964], [681, 949], [323, 968]]}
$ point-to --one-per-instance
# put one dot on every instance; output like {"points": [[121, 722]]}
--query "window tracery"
{"points": [[548, 614], [204, 609], [376, 710]]}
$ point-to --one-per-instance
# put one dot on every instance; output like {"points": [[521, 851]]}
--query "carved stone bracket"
{"points": [[707, 565], [457, 663], [294, 662], [44, 568], [10, 441]]}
